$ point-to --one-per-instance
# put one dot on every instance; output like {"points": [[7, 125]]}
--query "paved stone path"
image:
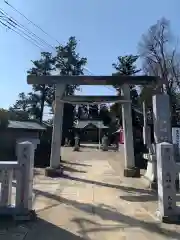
{"points": [[91, 201]]}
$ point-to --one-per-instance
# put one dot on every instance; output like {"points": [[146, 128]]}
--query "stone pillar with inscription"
{"points": [[129, 169], [162, 118], [55, 169], [24, 181], [166, 178], [162, 128], [176, 143]]}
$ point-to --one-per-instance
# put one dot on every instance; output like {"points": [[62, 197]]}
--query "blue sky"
{"points": [[105, 29]]}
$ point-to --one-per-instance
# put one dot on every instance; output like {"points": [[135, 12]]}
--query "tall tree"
{"points": [[43, 66], [68, 62], [104, 114], [93, 111], [158, 52], [26, 107], [126, 65], [20, 110], [22, 103], [18, 115]]}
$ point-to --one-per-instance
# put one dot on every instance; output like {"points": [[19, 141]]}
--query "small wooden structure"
{"points": [[90, 130], [18, 131]]}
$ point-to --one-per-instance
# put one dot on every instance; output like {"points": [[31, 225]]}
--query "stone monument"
{"points": [[162, 133], [168, 211]]}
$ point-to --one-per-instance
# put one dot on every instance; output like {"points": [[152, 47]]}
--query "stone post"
{"points": [[176, 143], [162, 129], [130, 170], [25, 151], [162, 118], [105, 143], [146, 130], [54, 169], [77, 143], [166, 179]]}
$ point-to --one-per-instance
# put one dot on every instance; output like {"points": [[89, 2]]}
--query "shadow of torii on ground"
{"points": [[108, 213]]}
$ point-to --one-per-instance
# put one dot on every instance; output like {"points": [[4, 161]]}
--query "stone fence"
{"points": [[23, 168]]}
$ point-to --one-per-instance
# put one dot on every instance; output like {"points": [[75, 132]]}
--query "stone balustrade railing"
{"points": [[23, 181]]}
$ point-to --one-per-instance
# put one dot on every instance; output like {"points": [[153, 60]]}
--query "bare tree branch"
{"points": [[159, 57]]}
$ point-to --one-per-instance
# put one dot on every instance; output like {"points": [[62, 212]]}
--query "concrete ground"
{"points": [[91, 201]]}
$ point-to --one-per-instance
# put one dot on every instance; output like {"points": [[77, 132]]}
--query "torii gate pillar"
{"points": [[54, 169], [129, 167]]}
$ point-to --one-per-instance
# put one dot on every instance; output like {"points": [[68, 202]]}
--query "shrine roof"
{"points": [[26, 125]]}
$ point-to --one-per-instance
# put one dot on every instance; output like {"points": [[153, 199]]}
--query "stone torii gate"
{"points": [[62, 81]]}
